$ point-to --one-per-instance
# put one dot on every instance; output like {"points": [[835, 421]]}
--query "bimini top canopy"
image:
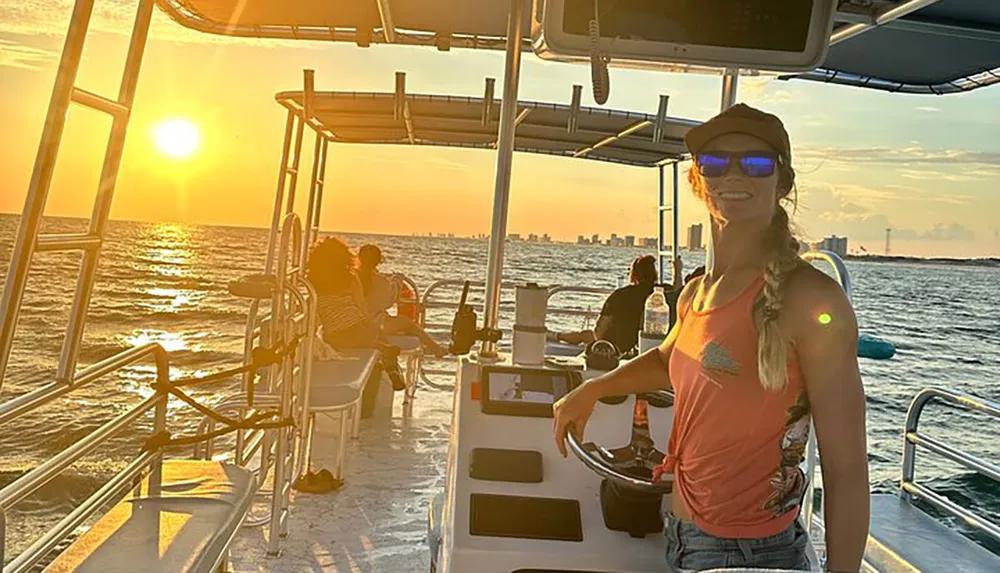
{"points": [[599, 134], [913, 46]]}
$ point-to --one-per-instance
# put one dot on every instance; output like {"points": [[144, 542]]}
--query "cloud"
{"points": [[900, 155], [952, 232], [928, 109], [858, 212], [765, 91], [17, 55], [51, 18], [936, 175], [448, 164]]}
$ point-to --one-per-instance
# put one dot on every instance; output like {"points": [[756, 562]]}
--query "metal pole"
{"points": [[319, 192], [663, 231], [41, 177], [279, 195], [105, 193], [730, 81], [505, 154], [313, 187], [885, 16], [293, 181], [677, 218]]}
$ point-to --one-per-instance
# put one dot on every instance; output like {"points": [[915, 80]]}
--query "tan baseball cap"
{"points": [[742, 118]]}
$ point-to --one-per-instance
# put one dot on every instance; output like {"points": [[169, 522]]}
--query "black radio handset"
{"points": [[463, 327]]}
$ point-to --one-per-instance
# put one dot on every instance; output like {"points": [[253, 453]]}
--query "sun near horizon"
{"points": [[177, 138]]}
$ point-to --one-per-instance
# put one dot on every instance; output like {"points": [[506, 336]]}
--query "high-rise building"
{"points": [[514, 237], [532, 238], [629, 240], [546, 238], [595, 240], [580, 240], [834, 244], [694, 237]]}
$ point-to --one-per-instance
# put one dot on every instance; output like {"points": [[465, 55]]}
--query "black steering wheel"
{"points": [[630, 466]]}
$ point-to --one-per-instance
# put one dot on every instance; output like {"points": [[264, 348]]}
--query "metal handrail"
{"points": [[30, 482], [912, 438], [66, 526], [26, 403], [841, 274], [427, 303]]}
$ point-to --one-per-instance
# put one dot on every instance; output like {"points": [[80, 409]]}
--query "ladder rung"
{"points": [[292, 170], [67, 242], [666, 208], [94, 101]]}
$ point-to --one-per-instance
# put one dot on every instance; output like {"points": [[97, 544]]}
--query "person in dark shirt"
{"points": [[621, 316]]}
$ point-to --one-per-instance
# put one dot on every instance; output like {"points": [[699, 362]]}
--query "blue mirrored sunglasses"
{"points": [[752, 163]]}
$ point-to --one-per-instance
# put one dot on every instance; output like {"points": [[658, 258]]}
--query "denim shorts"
{"points": [[691, 548]]}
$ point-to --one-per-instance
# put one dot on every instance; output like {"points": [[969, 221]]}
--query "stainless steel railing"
{"points": [[291, 315], [840, 271], [913, 438], [842, 276], [427, 301], [145, 462]]}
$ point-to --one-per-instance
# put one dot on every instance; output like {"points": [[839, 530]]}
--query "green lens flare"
{"points": [[825, 318]]}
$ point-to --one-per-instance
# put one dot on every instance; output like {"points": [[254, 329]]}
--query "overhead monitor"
{"points": [[773, 35]]}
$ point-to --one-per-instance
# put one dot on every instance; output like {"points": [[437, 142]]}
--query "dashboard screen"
{"points": [[779, 25], [523, 391]]}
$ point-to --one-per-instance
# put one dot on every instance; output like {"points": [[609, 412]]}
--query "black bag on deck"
{"points": [[636, 513]]}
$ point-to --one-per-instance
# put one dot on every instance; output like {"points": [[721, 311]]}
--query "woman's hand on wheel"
{"points": [[572, 411]]}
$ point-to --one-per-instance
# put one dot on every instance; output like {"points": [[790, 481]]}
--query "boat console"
{"points": [[512, 502]]}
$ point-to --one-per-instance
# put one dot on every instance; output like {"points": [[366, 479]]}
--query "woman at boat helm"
{"points": [[763, 342]]}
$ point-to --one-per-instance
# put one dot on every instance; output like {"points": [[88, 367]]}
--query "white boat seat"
{"points": [[186, 528], [902, 533], [339, 382]]}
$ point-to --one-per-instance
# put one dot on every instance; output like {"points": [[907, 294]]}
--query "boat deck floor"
{"points": [[378, 520]]}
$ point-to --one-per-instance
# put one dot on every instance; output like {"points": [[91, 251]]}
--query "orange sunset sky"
{"points": [[929, 167]]}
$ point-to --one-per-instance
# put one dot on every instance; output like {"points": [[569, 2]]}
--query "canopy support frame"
{"points": [[501, 189]]}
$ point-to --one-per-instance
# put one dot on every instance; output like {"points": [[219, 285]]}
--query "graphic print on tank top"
{"points": [[788, 483], [715, 358]]}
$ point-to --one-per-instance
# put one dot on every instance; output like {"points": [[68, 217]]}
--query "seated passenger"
{"points": [[380, 294], [341, 306], [763, 344], [621, 316]]}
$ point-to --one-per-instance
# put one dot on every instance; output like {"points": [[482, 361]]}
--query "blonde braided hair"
{"points": [[772, 346]]}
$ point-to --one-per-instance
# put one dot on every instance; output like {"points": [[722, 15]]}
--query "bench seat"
{"points": [[187, 528], [338, 383], [904, 538]]}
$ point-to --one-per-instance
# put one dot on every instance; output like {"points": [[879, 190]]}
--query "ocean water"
{"points": [[167, 283]]}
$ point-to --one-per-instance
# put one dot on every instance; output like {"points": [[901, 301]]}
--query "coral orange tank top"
{"points": [[735, 448]]}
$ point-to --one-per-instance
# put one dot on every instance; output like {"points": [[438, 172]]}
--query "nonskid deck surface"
{"points": [[378, 520]]}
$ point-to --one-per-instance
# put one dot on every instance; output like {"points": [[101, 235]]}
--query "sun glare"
{"points": [[177, 138]]}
